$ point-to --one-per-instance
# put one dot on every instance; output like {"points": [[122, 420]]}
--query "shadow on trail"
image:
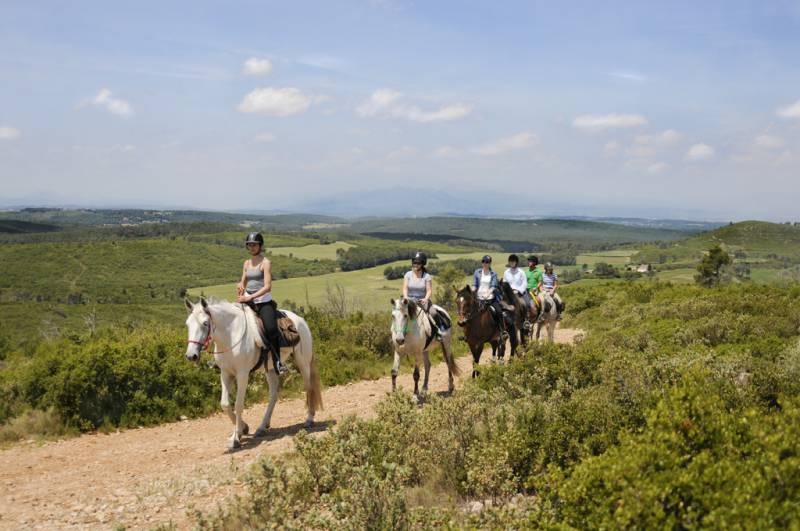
{"points": [[250, 442]]}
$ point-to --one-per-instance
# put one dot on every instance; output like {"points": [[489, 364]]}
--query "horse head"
{"points": [[403, 310], [199, 324], [466, 304]]}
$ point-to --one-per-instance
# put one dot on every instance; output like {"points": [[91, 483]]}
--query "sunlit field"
{"points": [[615, 257], [314, 251]]}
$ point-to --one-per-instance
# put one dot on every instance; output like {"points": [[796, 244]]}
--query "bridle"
{"points": [[210, 336], [476, 310]]}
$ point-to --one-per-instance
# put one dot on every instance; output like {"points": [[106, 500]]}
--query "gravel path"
{"points": [[144, 477]]}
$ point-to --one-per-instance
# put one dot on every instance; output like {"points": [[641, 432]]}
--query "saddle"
{"points": [[288, 335]]}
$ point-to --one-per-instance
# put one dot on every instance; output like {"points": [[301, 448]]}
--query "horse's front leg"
{"points": [[476, 357], [226, 381], [426, 362], [240, 427], [273, 382], [416, 378], [395, 370]]}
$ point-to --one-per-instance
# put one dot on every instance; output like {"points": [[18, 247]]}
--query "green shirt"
{"points": [[534, 277]]}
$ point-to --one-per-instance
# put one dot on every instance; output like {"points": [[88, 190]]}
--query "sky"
{"points": [[651, 109]]}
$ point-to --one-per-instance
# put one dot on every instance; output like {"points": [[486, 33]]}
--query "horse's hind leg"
{"points": [[426, 361], [273, 382], [416, 379]]}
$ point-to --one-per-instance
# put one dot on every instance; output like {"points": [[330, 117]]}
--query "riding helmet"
{"points": [[533, 258], [420, 257], [486, 259], [548, 266], [513, 258], [255, 237]]}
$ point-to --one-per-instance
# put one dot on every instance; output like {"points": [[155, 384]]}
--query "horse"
{"points": [[519, 314], [479, 326], [237, 351], [549, 317], [412, 333]]}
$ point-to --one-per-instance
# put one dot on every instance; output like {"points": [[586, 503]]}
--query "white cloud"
{"points": [[387, 103], [113, 105], [769, 141], [509, 143], [446, 152], [255, 66], [611, 148], [275, 102], [641, 151], [657, 167], [402, 153], [593, 122], [790, 111], [700, 152], [628, 76], [264, 138], [8, 133]]}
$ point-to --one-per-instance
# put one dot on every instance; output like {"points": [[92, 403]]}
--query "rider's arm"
{"points": [[405, 286], [241, 284], [555, 285], [428, 289]]}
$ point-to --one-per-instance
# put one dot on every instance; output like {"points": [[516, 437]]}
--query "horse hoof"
{"points": [[246, 429], [308, 424], [260, 433], [233, 445]]}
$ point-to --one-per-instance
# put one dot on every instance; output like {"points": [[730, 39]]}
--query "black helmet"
{"points": [[533, 258], [486, 259], [255, 237], [420, 257], [548, 266], [513, 258]]}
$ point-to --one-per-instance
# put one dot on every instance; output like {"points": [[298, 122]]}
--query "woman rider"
{"points": [[418, 285], [518, 281], [255, 290], [484, 284], [548, 286]]}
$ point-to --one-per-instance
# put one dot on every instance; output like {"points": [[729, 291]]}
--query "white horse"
{"points": [[549, 317], [412, 333], [237, 349]]}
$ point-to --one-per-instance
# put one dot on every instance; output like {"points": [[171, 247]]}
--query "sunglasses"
{"points": [[251, 244]]}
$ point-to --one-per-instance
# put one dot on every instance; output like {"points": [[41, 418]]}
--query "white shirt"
{"points": [[485, 292], [517, 279]]}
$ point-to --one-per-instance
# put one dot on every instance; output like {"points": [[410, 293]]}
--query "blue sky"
{"points": [[669, 109]]}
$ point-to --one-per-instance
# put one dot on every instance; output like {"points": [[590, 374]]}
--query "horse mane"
{"points": [[249, 314], [506, 291]]}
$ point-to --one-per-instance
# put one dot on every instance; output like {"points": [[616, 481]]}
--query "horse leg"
{"points": [[426, 360], [273, 382], [395, 370], [416, 378], [476, 357], [226, 381], [551, 331], [239, 425]]}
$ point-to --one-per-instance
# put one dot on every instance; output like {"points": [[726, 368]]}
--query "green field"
{"points": [[366, 289], [614, 257], [314, 251]]}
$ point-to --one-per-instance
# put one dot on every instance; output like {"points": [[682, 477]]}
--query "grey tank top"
{"points": [[255, 281]]}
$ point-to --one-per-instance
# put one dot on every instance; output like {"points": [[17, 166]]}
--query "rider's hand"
{"points": [[239, 289], [244, 298]]}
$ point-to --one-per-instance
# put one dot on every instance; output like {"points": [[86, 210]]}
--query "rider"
{"points": [[418, 285], [534, 276], [549, 285], [517, 280], [484, 283], [255, 290]]}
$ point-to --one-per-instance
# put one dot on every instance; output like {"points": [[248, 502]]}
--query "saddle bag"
{"points": [[289, 334]]}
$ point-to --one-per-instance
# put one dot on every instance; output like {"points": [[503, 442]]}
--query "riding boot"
{"points": [[280, 367]]}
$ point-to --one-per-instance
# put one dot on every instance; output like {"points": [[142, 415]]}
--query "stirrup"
{"points": [[281, 367]]}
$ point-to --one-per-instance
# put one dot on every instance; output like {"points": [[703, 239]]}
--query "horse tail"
{"points": [[451, 362], [313, 387]]}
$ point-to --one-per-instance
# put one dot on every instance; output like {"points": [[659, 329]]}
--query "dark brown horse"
{"points": [[520, 315], [479, 326]]}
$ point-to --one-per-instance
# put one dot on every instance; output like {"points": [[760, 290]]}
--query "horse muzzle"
{"points": [[399, 340], [462, 322]]}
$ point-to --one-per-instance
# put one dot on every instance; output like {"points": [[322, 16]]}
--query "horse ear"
{"points": [[204, 302], [392, 299], [189, 305]]}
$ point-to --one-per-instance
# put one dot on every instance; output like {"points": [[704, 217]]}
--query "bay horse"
{"points": [[519, 314], [479, 326], [237, 350], [412, 333]]}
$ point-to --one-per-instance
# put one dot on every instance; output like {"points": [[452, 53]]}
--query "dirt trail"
{"points": [[144, 477]]}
